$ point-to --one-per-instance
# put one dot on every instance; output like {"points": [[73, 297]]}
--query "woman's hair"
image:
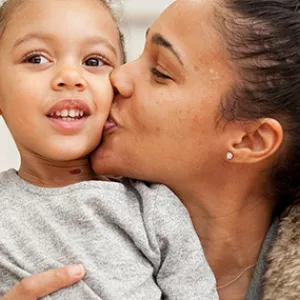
{"points": [[8, 7], [263, 41]]}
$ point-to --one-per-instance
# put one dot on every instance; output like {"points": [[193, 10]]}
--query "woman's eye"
{"points": [[159, 74], [95, 61], [36, 59]]}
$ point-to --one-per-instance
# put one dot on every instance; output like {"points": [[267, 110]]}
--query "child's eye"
{"points": [[95, 61], [157, 73], [36, 59]]}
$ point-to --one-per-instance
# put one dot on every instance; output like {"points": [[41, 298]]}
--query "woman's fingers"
{"points": [[42, 284]]}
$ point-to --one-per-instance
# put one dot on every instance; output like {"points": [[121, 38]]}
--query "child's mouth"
{"points": [[68, 115]]}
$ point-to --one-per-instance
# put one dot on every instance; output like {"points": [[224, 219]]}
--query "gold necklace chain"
{"points": [[235, 279]]}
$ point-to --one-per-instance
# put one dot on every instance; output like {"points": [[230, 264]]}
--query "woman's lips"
{"points": [[109, 124]]}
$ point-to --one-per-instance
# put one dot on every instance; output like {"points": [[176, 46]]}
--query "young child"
{"points": [[135, 241]]}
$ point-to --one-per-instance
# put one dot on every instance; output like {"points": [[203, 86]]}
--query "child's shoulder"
{"points": [[7, 184], [157, 192], [144, 189], [7, 177]]}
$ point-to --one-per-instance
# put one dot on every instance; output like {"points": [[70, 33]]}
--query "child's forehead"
{"points": [[79, 19], [103, 3], [41, 12]]}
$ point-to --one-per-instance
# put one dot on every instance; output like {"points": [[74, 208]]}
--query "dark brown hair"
{"points": [[263, 41]]}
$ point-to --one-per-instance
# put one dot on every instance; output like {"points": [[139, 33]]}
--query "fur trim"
{"points": [[282, 278]]}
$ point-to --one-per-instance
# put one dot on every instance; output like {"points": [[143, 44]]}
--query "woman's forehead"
{"points": [[183, 7], [188, 18], [188, 25]]}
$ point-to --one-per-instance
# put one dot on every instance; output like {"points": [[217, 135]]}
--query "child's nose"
{"points": [[69, 77]]}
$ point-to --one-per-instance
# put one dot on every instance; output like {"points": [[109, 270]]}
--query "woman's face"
{"points": [[163, 122]]}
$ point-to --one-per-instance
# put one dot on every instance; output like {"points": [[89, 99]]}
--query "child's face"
{"points": [[55, 61]]}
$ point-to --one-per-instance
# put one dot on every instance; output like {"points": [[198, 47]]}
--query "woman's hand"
{"points": [[43, 284]]}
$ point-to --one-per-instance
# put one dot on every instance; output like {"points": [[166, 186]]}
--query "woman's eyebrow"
{"points": [[160, 40]]}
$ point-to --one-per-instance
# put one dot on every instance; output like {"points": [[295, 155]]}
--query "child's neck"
{"points": [[56, 174]]}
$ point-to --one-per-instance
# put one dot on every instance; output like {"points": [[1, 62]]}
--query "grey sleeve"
{"points": [[184, 272]]}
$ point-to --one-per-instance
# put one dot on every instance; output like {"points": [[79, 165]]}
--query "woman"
{"points": [[211, 109]]}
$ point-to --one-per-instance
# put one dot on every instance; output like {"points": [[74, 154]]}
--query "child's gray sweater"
{"points": [[136, 241]]}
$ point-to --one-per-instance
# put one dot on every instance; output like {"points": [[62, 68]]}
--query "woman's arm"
{"points": [[40, 285]]}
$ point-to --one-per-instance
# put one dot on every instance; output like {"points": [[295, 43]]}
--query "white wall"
{"points": [[137, 16]]}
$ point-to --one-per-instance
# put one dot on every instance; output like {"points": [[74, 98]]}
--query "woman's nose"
{"points": [[122, 81], [69, 77]]}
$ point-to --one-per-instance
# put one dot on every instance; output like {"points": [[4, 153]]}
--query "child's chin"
{"points": [[64, 156]]}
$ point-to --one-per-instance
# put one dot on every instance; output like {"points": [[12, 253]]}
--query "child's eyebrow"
{"points": [[94, 40], [31, 36], [89, 41]]}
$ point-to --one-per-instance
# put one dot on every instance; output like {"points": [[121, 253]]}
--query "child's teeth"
{"points": [[72, 113], [64, 113], [68, 119], [68, 113]]}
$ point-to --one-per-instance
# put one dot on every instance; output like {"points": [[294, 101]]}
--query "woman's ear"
{"points": [[257, 141]]}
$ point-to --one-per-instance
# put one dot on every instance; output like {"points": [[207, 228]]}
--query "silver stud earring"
{"points": [[229, 155]]}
